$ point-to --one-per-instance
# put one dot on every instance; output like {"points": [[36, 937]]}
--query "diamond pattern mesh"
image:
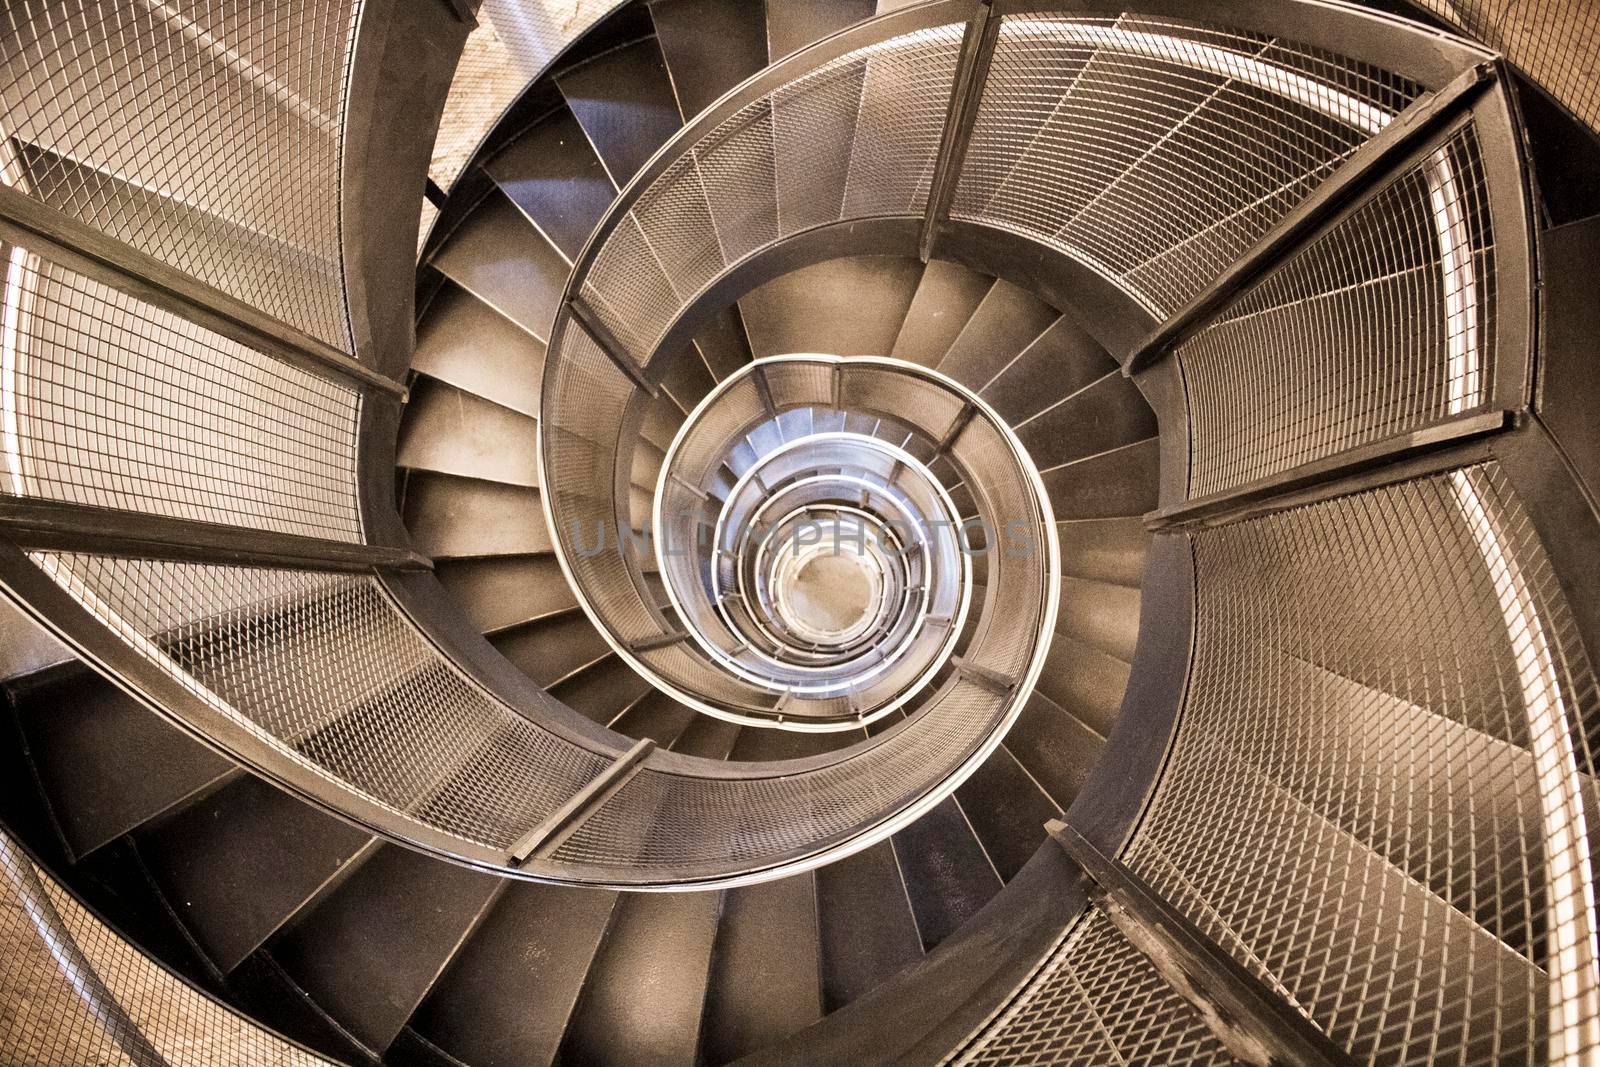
{"points": [[207, 135], [72, 992], [1156, 151], [1381, 326], [1391, 689], [327, 671], [111, 402], [1096, 1000]]}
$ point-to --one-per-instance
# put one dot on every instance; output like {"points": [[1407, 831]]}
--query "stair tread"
{"points": [[240, 861], [867, 929], [658, 717], [602, 691], [1007, 810], [106, 763], [371, 950], [851, 306], [1101, 615], [1008, 320], [1105, 415], [497, 256], [795, 24], [765, 982], [1062, 360], [946, 299], [449, 516], [708, 738], [710, 46], [1105, 550], [463, 341], [552, 649], [1113, 484], [506, 998], [625, 103], [948, 877], [723, 342], [643, 998], [500, 592], [553, 175], [450, 431], [1055, 748], [1085, 682]]}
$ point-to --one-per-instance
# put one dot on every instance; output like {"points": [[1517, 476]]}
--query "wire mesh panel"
{"points": [[1156, 151], [855, 138], [327, 672], [1383, 325], [206, 135], [108, 401], [1556, 41], [1383, 788], [1097, 1001], [72, 992]]}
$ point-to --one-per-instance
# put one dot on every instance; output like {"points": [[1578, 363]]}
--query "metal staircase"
{"points": [[1205, 391]]}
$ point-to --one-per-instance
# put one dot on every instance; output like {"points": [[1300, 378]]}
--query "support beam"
{"points": [[608, 343], [1368, 165], [972, 70], [51, 525], [64, 240], [548, 835], [991, 680], [1256, 1025]]}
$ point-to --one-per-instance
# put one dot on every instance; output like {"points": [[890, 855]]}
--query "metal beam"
{"points": [[1255, 1024], [49, 524], [62, 239], [548, 835], [608, 343], [1253, 498], [1367, 165], [972, 70]]}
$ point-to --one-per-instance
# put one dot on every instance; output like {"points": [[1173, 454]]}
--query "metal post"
{"points": [[972, 69]]}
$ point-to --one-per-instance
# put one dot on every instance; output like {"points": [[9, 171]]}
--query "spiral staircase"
{"points": [[1012, 532]]}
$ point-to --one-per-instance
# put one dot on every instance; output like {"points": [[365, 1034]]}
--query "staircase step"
{"points": [[852, 307], [686, 377], [1008, 810], [947, 874], [710, 46], [450, 431], [603, 691], [239, 862], [1123, 482], [1105, 415], [449, 517], [723, 343], [1100, 615], [506, 591], [758, 744], [1056, 749], [554, 176], [643, 998], [505, 999], [625, 103], [105, 763], [867, 929], [463, 341], [1085, 682], [496, 255], [371, 950], [1058, 363], [1105, 550], [1007, 321], [765, 980], [708, 738], [552, 649], [794, 24], [658, 717], [946, 298]]}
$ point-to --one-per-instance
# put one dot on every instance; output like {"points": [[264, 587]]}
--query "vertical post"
{"points": [[972, 70]]}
